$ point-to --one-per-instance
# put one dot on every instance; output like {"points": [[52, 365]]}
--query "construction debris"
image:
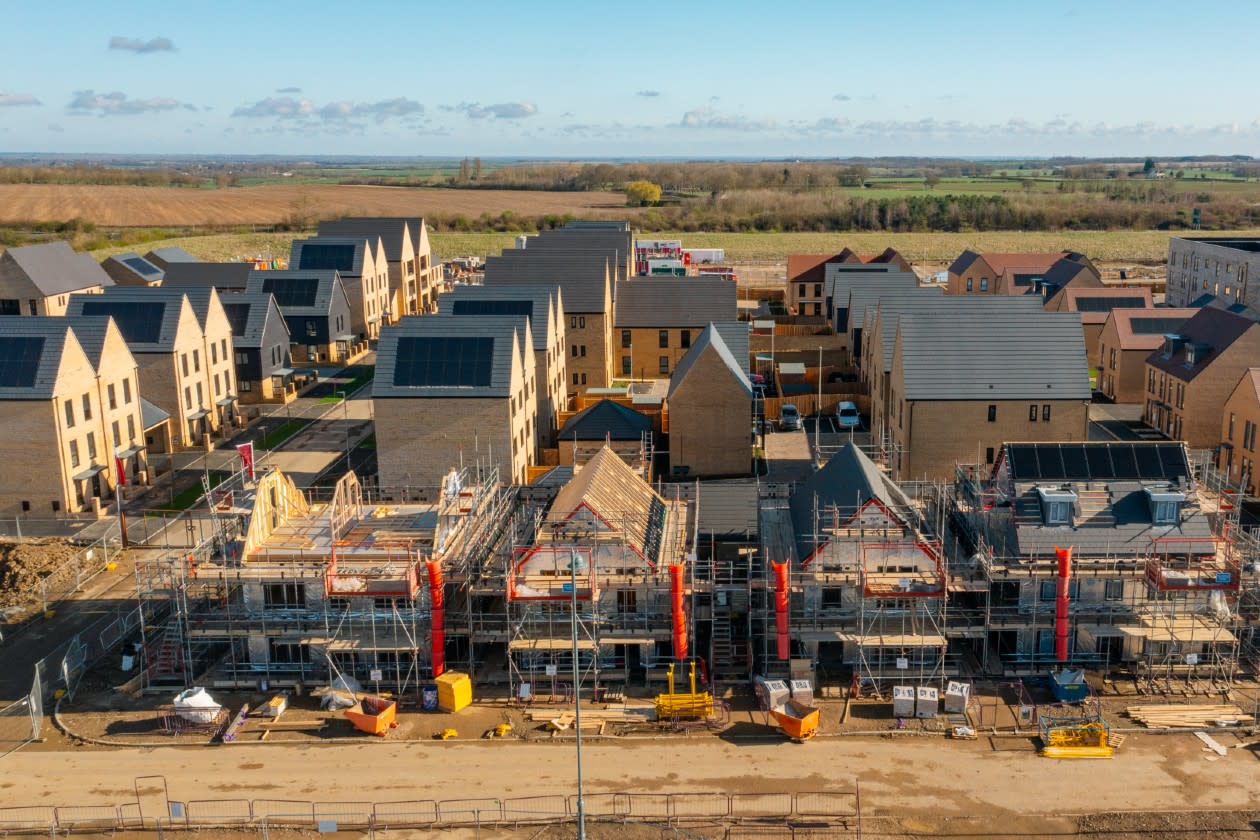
{"points": [[1175, 716]]}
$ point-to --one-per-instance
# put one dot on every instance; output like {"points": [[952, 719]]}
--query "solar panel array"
{"points": [[142, 266], [139, 321], [478, 306], [1098, 461], [19, 360], [238, 317], [292, 291], [443, 361], [318, 255], [1106, 304], [1155, 326]]}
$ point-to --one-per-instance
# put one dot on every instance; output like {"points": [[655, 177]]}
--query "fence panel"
{"points": [[12, 819], [84, 816], [470, 810], [217, 811], [694, 805], [602, 805], [758, 832], [345, 813], [18, 726], [130, 815], [283, 811], [826, 804], [648, 805], [525, 808], [415, 812], [761, 805]]}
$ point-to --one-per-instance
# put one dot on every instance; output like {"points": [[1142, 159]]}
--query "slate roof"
{"points": [[248, 313], [390, 229], [539, 296], [200, 297], [846, 482], [582, 279], [966, 307], [864, 298], [710, 341], [163, 257], [1144, 329], [1007, 263], [1022, 356], [660, 302], [27, 333], [1064, 270], [499, 330], [151, 415], [228, 277], [735, 336], [55, 268], [329, 285], [1095, 304], [352, 268], [840, 285], [1215, 329], [91, 334], [132, 265], [606, 420], [117, 301]]}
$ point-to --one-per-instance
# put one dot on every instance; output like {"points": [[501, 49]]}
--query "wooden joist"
{"points": [[1174, 716]]}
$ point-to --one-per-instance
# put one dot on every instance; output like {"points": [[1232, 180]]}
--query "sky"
{"points": [[588, 79]]}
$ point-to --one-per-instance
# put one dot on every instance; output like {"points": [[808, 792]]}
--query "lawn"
{"points": [[189, 496], [275, 437]]}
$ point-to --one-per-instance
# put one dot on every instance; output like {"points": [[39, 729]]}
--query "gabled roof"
{"points": [[811, 268], [1095, 304], [1144, 329], [1064, 270], [841, 283], [585, 280], [709, 343], [735, 336], [440, 357], [660, 302], [1208, 333], [390, 229], [163, 257], [1233, 305], [133, 268], [980, 308], [31, 349], [54, 268], [345, 254], [1023, 355], [294, 288], [1007, 263], [247, 313], [477, 301], [202, 299], [847, 482], [228, 277], [151, 415], [91, 334], [863, 299], [606, 420], [147, 316], [617, 495]]}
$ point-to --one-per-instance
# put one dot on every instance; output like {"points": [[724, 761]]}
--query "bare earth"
{"points": [[118, 206]]}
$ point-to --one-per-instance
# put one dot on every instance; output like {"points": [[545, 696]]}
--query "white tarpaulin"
{"points": [[196, 705]]}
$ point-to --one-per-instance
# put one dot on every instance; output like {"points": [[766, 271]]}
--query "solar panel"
{"points": [[292, 291], [1124, 459], [1148, 462], [1106, 304], [1024, 461], [1050, 462], [1074, 461], [318, 255], [142, 266], [479, 306], [19, 360], [139, 321], [1099, 459], [1172, 457], [1155, 326], [443, 361], [238, 316]]}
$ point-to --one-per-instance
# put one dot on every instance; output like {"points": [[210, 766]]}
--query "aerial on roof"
{"points": [[1200, 341], [55, 268], [606, 420]]}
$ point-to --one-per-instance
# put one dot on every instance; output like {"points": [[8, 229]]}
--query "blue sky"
{"points": [[587, 79]]}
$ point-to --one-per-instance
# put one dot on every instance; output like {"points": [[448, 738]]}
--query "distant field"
{"points": [[121, 206], [1109, 246]]}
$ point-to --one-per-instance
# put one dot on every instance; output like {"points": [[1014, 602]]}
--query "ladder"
{"points": [[166, 656]]}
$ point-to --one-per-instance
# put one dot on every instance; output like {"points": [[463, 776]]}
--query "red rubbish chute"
{"points": [[781, 609], [1061, 603], [679, 615], [437, 622]]}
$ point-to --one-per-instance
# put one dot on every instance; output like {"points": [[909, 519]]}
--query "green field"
{"points": [[1118, 246]]}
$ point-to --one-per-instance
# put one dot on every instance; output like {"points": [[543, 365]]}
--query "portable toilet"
{"points": [[773, 693], [956, 696], [903, 701], [803, 692], [926, 702]]}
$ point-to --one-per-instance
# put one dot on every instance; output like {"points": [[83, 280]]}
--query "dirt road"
{"points": [[930, 777]]}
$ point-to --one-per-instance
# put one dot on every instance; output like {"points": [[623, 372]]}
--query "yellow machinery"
{"points": [[1075, 738], [693, 705]]}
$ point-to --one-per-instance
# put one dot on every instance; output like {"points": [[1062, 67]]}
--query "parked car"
{"points": [[789, 418], [847, 416]]}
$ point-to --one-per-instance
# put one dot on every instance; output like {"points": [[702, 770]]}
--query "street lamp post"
{"points": [[574, 534], [818, 420]]}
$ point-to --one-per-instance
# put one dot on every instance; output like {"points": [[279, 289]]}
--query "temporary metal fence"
{"points": [[70, 576], [840, 807]]}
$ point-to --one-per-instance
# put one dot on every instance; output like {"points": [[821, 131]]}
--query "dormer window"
{"points": [[1057, 506], [1172, 343], [1165, 506], [1196, 353]]}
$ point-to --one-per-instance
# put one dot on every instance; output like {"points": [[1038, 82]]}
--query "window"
{"points": [[984, 284], [685, 339], [626, 339], [183, 362], [575, 378], [117, 434], [1058, 513], [197, 361], [582, 350], [969, 284], [280, 652], [245, 386], [126, 392], [574, 349], [832, 597], [131, 429], [1113, 358], [627, 601], [216, 385], [664, 364], [1045, 413], [1230, 434], [187, 397], [310, 330], [112, 396], [91, 446], [1150, 380], [1113, 590], [573, 322], [800, 290], [988, 455], [1032, 413], [284, 595], [1249, 436], [662, 339], [87, 406], [581, 322], [201, 401], [584, 379], [241, 358], [214, 353], [818, 290], [69, 414], [74, 453], [626, 365], [33, 306], [993, 414], [1164, 512]]}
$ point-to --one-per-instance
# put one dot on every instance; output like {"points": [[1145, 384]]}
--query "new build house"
{"points": [[615, 241], [1221, 266], [454, 388], [807, 290], [70, 407], [657, 320], [413, 278], [1095, 304], [39, 279], [315, 308], [131, 269], [1126, 341], [260, 341], [360, 263], [956, 394], [225, 276], [992, 273], [842, 281], [1191, 376], [605, 424], [544, 306], [710, 410], [1236, 454]]}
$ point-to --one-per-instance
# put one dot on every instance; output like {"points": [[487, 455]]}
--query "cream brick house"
{"points": [[364, 271], [1240, 424], [452, 390], [316, 310], [39, 279], [658, 319], [710, 410]]}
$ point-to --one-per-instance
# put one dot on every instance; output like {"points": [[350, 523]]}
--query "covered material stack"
{"points": [[454, 691]]}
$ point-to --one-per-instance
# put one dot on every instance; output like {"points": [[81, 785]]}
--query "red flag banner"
{"points": [[120, 472], [246, 451]]}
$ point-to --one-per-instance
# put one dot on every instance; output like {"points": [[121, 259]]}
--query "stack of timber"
{"points": [[1195, 716]]}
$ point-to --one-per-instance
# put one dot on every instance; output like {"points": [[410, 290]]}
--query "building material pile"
{"points": [[1174, 716], [24, 565]]}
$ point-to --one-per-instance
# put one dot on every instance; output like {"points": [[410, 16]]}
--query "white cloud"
{"points": [[289, 90], [138, 45], [707, 118], [500, 111], [276, 106], [648, 93], [378, 111], [117, 104], [15, 99]]}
